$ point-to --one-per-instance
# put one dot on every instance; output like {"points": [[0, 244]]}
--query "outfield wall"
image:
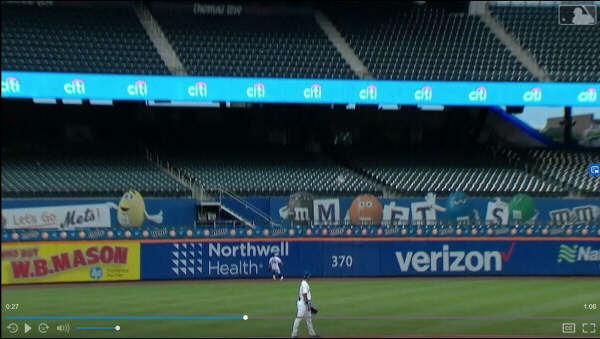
{"points": [[339, 258], [39, 262]]}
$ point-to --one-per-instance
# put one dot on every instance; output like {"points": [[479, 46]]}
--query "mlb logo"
{"points": [[594, 170], [581, 15]]}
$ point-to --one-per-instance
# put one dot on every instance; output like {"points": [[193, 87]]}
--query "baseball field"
{"points": [[355, 307]]}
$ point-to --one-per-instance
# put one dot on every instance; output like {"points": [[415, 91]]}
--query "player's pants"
{"points": [[303, 312], [276, 273]]}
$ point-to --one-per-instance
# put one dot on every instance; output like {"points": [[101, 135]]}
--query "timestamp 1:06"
{"points": [[11, 307], [590, 306]]}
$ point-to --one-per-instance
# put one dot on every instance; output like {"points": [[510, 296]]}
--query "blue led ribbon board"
{"points": [[304, 91]]}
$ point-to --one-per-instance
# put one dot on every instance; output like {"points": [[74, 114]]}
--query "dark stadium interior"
{"points": [[273, 40], [323, 149], [373, 150]]}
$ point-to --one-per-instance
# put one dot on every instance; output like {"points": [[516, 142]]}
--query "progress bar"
{"points": [[115, 328], [244, 317], [349, 317]]}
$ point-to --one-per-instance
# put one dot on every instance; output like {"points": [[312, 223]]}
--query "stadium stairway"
{"points": [[426, 43], [290, 46], [562, 51], [342, 46], [242, 209], [233, 205], [344, 161], [521, 54], [170, 171], [218, 207], [74, 39], [159, 40]]}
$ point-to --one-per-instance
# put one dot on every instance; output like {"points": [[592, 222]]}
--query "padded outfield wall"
{"points": [[91, 261]]}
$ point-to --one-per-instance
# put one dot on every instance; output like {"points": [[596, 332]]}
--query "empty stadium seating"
{"points": [[291, 46], [60, 39], [426, 43], [550, 173], [568, 167], [419, 180], [85, 177], [272, 174], [411, 43], [474, 174], [565, 52]]}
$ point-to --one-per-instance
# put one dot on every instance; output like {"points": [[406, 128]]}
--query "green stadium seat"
{"points": [[71, 39], [425, 43]]}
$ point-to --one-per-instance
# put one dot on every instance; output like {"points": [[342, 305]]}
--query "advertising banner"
{"points": [[57, 217], [44, 262], [131, 210], [332, 258], [366, 209], [309, 91]]}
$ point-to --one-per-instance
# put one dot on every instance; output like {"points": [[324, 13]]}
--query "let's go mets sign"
{"points": [[41, 262]]}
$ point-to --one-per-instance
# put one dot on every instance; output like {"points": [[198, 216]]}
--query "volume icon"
{"points": [[65, 328]]}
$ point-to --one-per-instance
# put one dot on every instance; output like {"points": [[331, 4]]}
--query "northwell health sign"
{"points": [[398, 257], [42, 85]]}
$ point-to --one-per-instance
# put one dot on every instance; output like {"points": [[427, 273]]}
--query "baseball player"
{"points": [[305, 309], [274, 268]]}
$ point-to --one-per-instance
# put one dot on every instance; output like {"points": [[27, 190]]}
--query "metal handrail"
{"points": [[246, 204]]}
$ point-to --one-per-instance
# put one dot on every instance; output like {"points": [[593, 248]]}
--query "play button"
{"points": [[27, 328]]}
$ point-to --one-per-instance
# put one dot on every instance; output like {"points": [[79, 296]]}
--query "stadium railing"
{"points": [[236, 231]]}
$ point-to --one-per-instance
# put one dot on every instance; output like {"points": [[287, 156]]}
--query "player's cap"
{"points": [[306, 274]]}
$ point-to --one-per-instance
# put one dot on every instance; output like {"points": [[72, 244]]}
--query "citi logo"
{"points": [[76, 86], [139, 88], [589, 95], [479, 94], [369, 93], [256, 91], [424, 93], [248, 249], [533, 95], [11, 85], [199, 89], [450, 261], [315, 91]]}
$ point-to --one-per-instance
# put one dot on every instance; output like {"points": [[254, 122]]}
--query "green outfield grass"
{"points": [[499, 298]]}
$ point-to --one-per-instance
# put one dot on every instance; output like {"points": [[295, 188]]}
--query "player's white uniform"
{"points": [[303, 311], [274, 263]]}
